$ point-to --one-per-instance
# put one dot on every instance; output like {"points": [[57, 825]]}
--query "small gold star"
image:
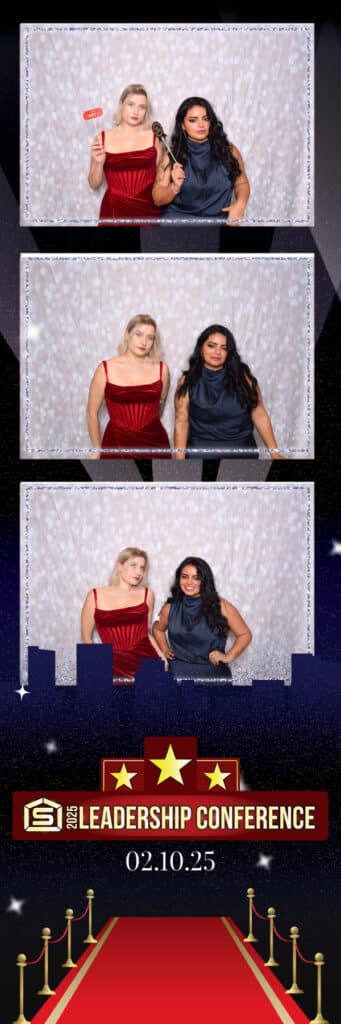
{"points": [[123, 777], [217, 777], [170, 766]]}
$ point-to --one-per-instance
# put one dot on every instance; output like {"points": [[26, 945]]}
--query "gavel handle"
{"points": [[170, 153]]}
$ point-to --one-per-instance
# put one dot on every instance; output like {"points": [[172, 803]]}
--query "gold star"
{"points": [[170, 766], [217, 777], [123, 777]]}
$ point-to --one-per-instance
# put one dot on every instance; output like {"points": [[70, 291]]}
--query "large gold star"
{"points": [[217, 777], [123, 777], [170, 766]]}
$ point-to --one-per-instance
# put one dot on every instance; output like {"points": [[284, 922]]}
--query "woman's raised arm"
{"points": [[168, 182], [97, 161]]}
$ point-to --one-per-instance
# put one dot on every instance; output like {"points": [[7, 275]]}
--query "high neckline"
{"points": [[214, 374], [199, 147]]}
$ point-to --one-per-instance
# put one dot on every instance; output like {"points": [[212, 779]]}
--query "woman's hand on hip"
{"points": [[215, 657], [235, 213]]}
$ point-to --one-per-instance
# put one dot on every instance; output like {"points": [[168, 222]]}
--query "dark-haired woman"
{"points": [[208, 178], [197, 622], [218, 403]]}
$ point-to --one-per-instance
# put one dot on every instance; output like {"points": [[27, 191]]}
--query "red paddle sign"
{"points": [[95, 112]]}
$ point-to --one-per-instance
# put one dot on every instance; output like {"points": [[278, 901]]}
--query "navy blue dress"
{"points": [[207, 187], [217, 419], [192, 640]]}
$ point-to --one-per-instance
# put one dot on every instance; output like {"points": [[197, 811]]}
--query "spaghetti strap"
{"points": [[145, 594], [102, 134], [105, 365], [95, 596], [161, 366]]}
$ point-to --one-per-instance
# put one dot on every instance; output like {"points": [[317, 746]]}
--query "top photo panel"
{"points": [[167, 124]]}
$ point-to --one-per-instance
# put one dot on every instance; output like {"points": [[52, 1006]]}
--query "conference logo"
{"points": [[43, 815]]}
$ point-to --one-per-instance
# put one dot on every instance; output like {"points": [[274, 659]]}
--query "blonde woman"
{"points": [[134, 385], [122, 614], [127, 156]]}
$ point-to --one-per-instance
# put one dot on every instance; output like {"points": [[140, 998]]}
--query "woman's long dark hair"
{"points": [[238, 377], [220, 145], [209, 598]]}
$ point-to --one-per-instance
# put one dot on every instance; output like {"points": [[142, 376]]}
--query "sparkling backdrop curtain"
{"points": [[255, 537], [258, 78], [75, 309]]}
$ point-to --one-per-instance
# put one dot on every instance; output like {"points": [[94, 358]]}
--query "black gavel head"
{"points": [[158, 130]]}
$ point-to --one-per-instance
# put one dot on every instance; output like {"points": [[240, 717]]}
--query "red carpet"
{"points": [[152, 970]]}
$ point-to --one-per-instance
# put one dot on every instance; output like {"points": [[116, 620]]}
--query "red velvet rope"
{"points": [[261, 918], [32, 963], [81, 916], [53, 942], [303, 957], [280, 936]]}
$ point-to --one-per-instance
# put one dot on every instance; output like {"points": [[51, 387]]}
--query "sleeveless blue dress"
{"points": [[217, 419], [206, 189], [191, 640]]}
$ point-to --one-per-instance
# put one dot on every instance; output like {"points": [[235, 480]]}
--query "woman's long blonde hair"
{"points": [[137, 90], [123, 557], [142, 318]]}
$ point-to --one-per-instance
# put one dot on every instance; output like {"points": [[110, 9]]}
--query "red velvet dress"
{"points": [[134, 421], [127, 630], [130, 178]]}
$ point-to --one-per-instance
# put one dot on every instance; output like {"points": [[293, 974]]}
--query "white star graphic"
{"points": [[51, 747], [264, 861], [34, 332], [336, 549], [22, 692], [15, 906]]}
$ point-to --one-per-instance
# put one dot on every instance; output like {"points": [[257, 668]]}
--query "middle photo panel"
{"points": [[160, 357]]}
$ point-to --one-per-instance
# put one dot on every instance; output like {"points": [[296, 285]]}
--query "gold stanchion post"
{"points": [[250, 896], [21, 963], [90, 897], [319, 963], [46, 990], [271, 962], [294, 990], [69, 918]]}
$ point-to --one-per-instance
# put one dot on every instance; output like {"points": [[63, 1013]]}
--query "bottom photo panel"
{"points": [[172, 582]]}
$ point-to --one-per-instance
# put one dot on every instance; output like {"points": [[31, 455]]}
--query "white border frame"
{"points": [[27, 451], [27, 28], [27, 488]]}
